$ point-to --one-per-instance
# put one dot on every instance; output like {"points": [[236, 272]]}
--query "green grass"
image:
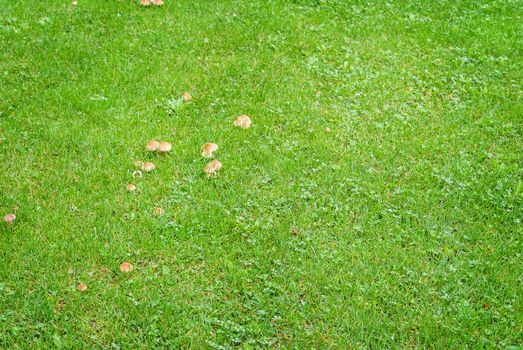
{"points": [[401, 228]]}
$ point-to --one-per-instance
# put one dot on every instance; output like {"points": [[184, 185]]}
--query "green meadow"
{"points": [[376, 201]]}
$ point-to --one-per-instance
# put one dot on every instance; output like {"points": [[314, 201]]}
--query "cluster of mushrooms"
{"points": [[125, 267], [208, 150], [163, 147]]}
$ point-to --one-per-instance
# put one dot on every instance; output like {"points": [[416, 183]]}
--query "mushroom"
{"points": [[157, 2], [213, 167], [82, 287], [158, 211], [145, 2], [165, 147], [138, 164], [243, 121], [148, 167], [208, 149], [137, 173], [126, 267], [327, 129], [152, 145], [186, 97], [75, 2], [131, 187], [9, 218]]}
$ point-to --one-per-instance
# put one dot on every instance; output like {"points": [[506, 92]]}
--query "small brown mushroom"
{"points": [[148, 167], [158, 211], [186, 97], [152, 145], [213, 167], [208, 149], [243, 121], [82, 287], [157, 2], [126, 267], [131, 187], [165, 147], [145, 2], [9, 218]]}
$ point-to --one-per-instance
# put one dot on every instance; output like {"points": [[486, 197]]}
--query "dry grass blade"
{"points": [[158, 211]]}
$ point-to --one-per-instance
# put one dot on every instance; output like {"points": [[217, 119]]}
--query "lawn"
{"points": [[375, 202]]}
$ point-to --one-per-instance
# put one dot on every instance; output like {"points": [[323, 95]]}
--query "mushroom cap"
{"points": [[327, 129], [82, 287], [158, 2], [186, 97], [152, 145], [145, 2], [208, 149], [9, 218], [131, 187], [164, 147], [243, 121], [148, 167], [158, 211], [126, 267], [213, 167]]}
